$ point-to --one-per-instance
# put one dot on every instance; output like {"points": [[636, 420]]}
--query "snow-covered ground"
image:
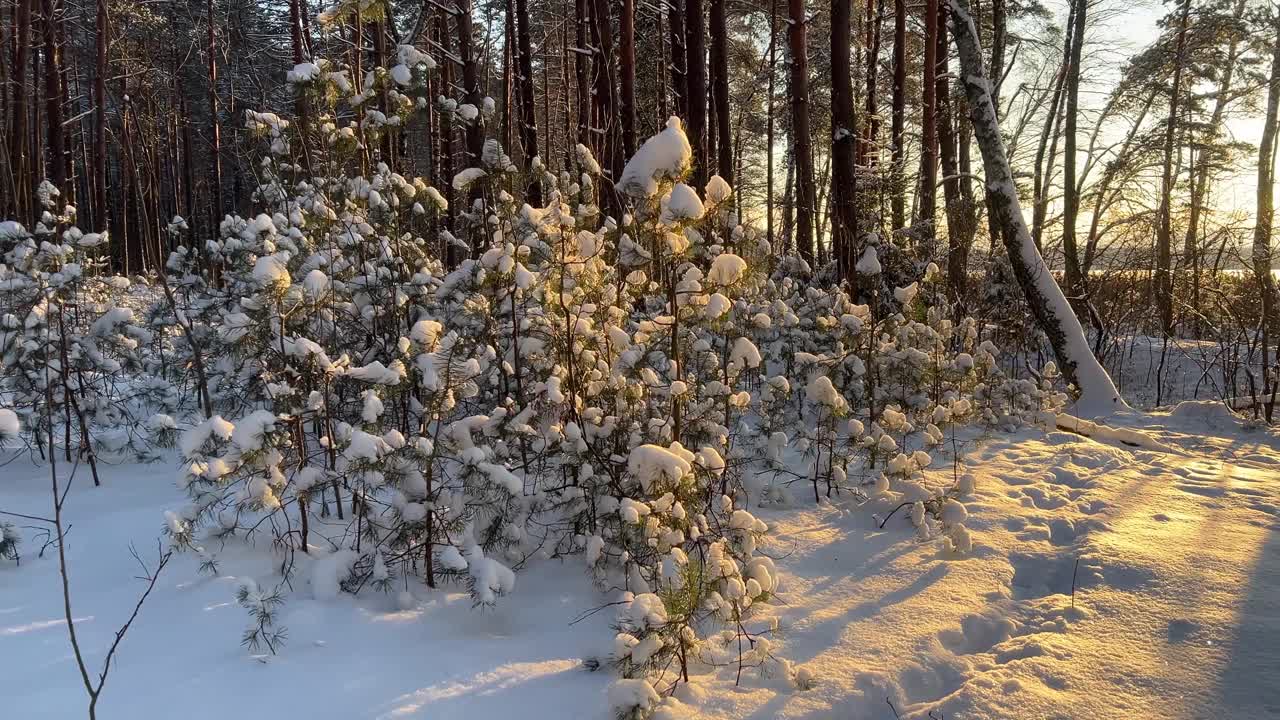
{"points": [[1174, 556]]}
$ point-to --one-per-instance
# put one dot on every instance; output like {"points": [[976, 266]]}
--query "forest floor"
{"points": [[1173, 555]]}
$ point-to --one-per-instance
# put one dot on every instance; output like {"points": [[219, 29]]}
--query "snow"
{"points": [[717, 305], [1178, 568], [652, 463], [491, 577], [681, 205], [302, 73], [11, 229], [627, 695], [193, 440], [726, 269], [9, 425], [869, 263], [745, 354], [463, 179], [644, 612], [717, 190], [821, 391], [271, 271], [328, 572], [518, 660], [316, 283], [251, 430], [663, 157], [502, 476], [904, 295]]}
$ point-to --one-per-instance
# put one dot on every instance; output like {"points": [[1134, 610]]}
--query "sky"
{"points": [[1136, 27]]}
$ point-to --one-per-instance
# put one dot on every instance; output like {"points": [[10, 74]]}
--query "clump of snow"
{"points": [[270, 271], [466, 177], [633, 697], [681, 205], [665, 156], [9, 425], [302, 73], [490, 578], [653, 463], [869, 263], [328, 572], [717, 190], [643, 612], [745, 354], [316, 283], [726, 269], [821, 391]]}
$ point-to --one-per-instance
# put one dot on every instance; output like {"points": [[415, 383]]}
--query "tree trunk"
{"points": [[582, 71], [844, 224], [928, 131], [898, 200], [773, 65], [1200, 173], [1071, 200], [443, 156], [696, 67], [1264, 213], [720, 90], [1048, 305], [801, 143], [19, 150], [53, 99], [871, 119], [470, 80], [998, 25], [961, 222], [1164, 234], [606, 90], [215, 136], [627, 66], [679, 60], [524, 88], [1041, 181]]}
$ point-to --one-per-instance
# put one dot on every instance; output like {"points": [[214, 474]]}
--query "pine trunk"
{"points": [[961, 220], [1164, 233], [928, 130], [582, 71], [801, 143], [720, 90], [844, 222], [898, 199], [215, 133], [1071, 199], [696, 67], [524, 88], [679, 59], [53, 99], [19, 150], [627, 70]]}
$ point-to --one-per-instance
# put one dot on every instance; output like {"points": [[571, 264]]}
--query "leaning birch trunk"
{"points": [[1098, 394]]}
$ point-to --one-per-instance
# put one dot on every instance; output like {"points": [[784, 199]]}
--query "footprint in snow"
{"points": [[1037, 575]]}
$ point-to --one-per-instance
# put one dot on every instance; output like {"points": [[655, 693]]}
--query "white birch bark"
{"points": [[1098, 394]]}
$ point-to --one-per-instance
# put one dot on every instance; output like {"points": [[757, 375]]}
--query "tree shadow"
{"points": [[1249, 685]]}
